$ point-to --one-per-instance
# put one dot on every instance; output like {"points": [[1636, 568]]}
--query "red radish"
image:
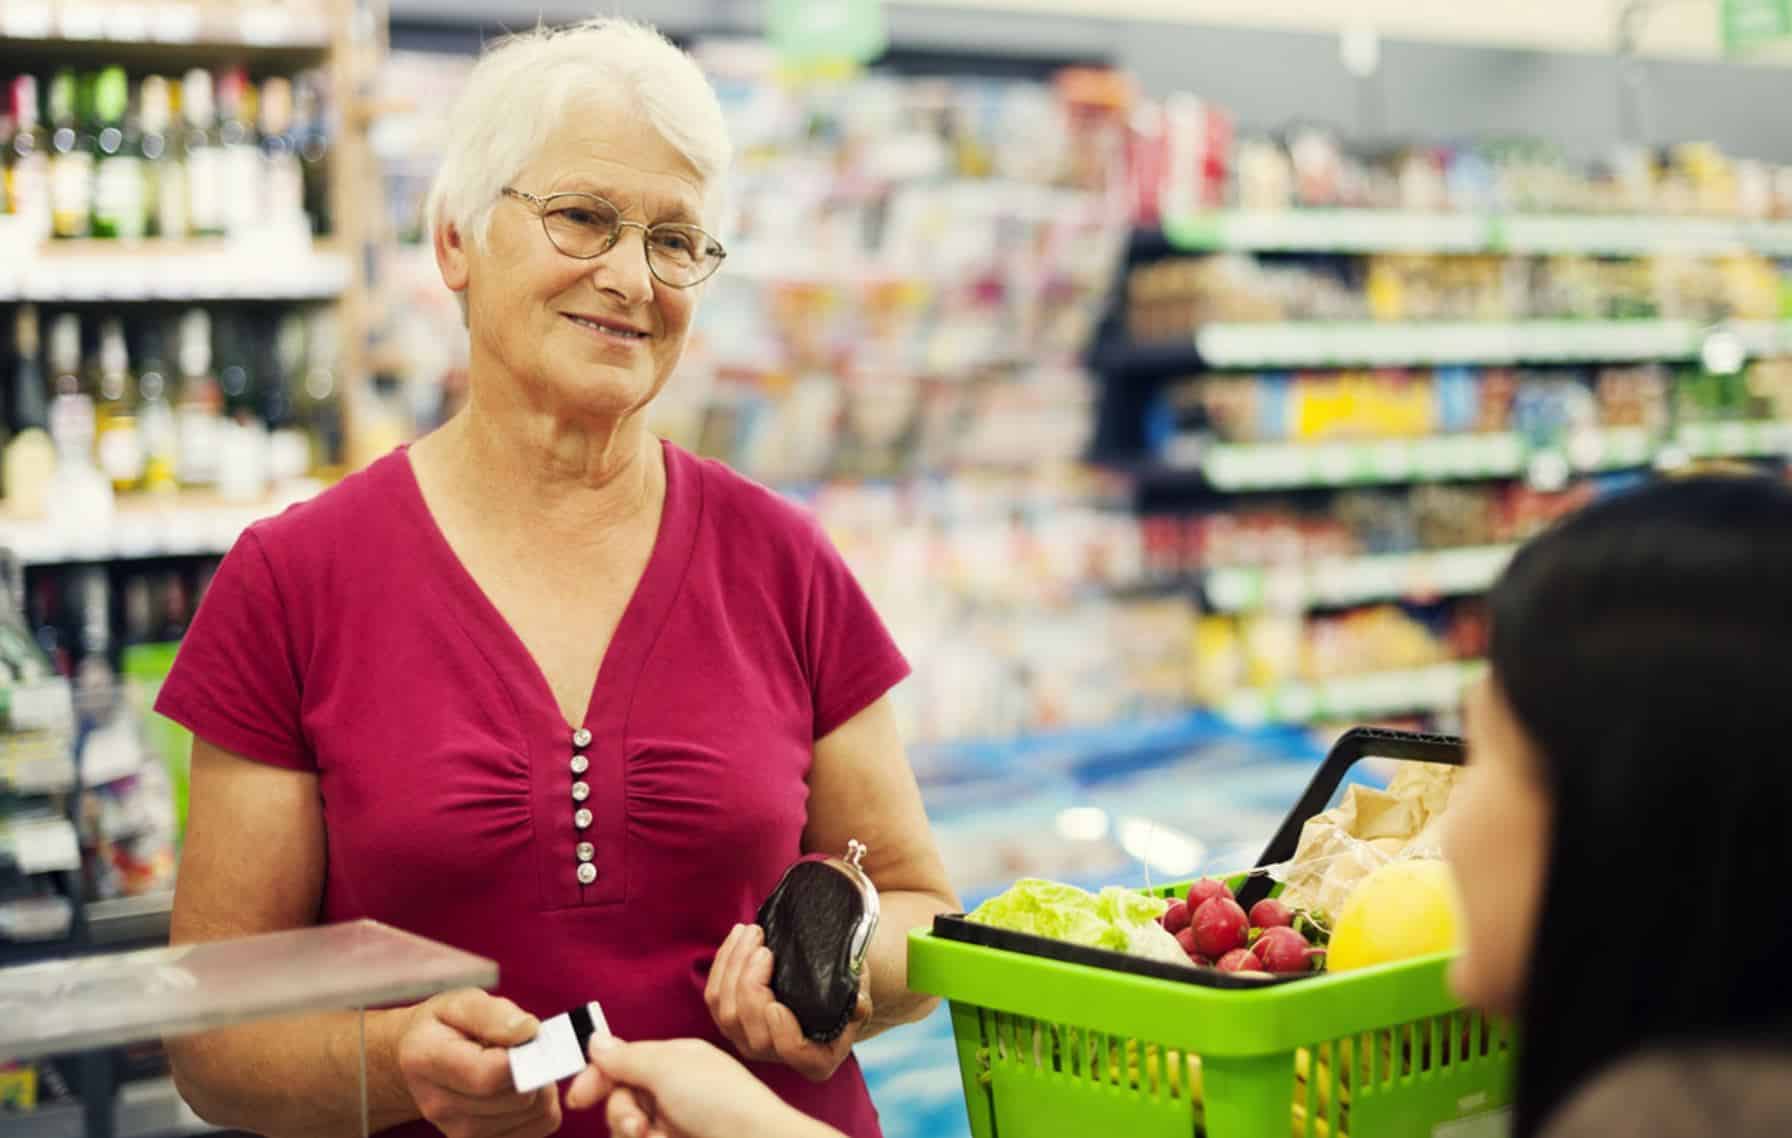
{"points": [[1283, 950], [1270, 913], [1240, 960], [1206, 890], [1177, 917], [1186, 938], [1200, 961], [1220, 926]]}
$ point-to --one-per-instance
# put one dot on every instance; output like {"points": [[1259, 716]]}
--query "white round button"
{"points": [[582, 818], [580, 791], [586, 851], [587, 873], [580, 764], [581, 738]]}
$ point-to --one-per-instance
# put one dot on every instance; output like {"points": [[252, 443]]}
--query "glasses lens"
{"points": [[682, 254], [581, 226]]}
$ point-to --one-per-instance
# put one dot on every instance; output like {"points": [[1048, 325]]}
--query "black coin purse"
{"points": [[818, 923]]}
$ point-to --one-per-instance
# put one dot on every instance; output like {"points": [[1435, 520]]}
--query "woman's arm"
{"points": [[254, 863], [861, 787]]}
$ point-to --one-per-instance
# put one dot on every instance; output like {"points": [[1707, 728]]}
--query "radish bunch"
{"points": [[1215, 930]]}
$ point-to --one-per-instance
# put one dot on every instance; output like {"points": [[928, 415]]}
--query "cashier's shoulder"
{"points": [[1732, 1092]]}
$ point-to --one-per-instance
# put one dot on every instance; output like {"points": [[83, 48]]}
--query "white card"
{"points": [[556, 1052]]}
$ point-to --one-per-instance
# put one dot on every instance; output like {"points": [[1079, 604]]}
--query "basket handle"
{"points": [[1356, 744]]}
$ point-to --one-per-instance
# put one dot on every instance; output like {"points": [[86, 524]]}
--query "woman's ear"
{"points": [[451, 256]]}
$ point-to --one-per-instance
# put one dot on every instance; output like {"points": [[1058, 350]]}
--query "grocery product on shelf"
{"points": [[112, 162], [39, 853], [1187, 156], [1168, 299], [232, 400]]}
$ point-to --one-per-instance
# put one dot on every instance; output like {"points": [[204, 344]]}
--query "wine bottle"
{"points": [[283, 174], [118, 444], [245, 195], [71, 159], [156, 424], [30, 457], [203, 157], [119, 202], [27, 160], [199, 411], [164, 164]]}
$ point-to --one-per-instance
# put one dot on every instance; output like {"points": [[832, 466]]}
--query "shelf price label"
{"points": [[175, 23], [266, 26], [83, 22], [26, 20]]}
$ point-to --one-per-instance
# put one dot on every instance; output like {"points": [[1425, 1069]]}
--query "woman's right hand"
{"points": [[684, 1088], [454, 1061]]}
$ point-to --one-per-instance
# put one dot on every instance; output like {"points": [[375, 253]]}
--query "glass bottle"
{"points": [[203, 157], [283, 174], [199, 411], [118, 444], [164, 166], [245, 196], [27, 160], [156, 423], [120, 205], [72, 149], [30, 457]]}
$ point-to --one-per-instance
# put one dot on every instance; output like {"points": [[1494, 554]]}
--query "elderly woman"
{"points": [[541, 686]]}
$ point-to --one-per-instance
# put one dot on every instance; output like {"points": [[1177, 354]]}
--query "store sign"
{"points": [[814, 31], [1750, 24]]}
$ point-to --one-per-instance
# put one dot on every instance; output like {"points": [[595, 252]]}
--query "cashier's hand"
{"points": [[453, 1059], [739, 995], [684, 1088]]}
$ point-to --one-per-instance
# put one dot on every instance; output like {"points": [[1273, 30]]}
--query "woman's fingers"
{"points": [[712, 988], [625, 1115], [755, 1001]]}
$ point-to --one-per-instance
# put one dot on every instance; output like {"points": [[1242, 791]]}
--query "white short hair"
{"points": [[523, 87]]}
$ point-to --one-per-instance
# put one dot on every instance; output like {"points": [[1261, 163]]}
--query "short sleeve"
{"points": [[852, 659], [236, 679]]}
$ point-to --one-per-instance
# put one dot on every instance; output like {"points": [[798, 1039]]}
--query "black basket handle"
{"points": [[1356, 744]]}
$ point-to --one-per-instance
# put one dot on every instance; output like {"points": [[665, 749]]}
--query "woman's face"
{"points": [[531, 308], [1497, 841]]}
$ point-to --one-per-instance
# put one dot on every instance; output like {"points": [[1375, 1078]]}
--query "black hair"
{"points": [[1645, 647]]}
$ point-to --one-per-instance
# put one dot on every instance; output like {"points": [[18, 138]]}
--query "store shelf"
{"points": [[1411, 231], [191, 526], [178, 271], [1444, 458], [130, 920], [1338, 582], [1409, 691], [1322, 344], [241, 26]]}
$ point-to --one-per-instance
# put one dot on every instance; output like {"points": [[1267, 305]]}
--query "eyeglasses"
{"points": [[586, 227]]}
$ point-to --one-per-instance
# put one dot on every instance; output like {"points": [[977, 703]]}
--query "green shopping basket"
{"points": [[1060, 1041]]}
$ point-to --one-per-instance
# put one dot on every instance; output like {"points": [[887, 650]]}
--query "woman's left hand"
{"points": [[739, 995]]}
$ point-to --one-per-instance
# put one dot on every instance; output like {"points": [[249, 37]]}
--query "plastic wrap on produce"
{"points": [[1366, 831]]}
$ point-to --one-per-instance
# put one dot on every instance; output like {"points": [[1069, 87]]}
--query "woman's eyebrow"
{"points": [[677, 212]]}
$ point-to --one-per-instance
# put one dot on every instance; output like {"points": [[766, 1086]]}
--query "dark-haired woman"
{"points": [[1623, 836]]}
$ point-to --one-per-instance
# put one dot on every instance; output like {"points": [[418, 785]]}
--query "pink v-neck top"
{"points": [[602, 860]]}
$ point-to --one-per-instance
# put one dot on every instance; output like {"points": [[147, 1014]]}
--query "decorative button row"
{"points": [[581, 790]]}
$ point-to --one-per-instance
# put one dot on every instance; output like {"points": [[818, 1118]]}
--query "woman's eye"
{"points": [[579, 216], [677, 243]]}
